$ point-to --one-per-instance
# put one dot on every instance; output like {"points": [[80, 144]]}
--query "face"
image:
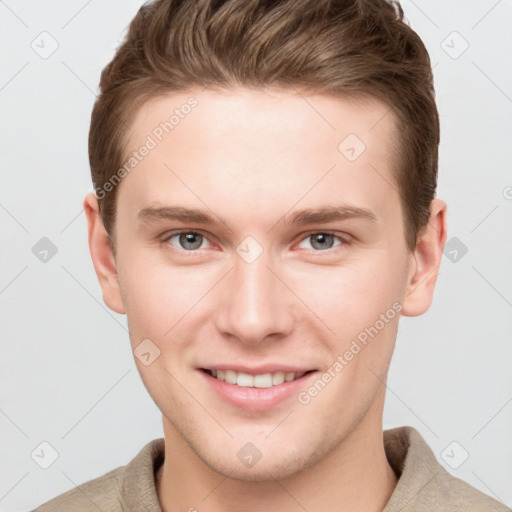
{"points": [[262, 240]]}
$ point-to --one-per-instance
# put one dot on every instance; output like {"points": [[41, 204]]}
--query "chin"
{"points": [[262, 471], [274, 463]]}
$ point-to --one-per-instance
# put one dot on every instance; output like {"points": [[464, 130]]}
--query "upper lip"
{"points": [[259, 370]]}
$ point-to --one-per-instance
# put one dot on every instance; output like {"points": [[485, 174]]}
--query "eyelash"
{"points": [[343, 241]]}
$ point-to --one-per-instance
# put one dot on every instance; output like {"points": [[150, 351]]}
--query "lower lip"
{"points": [[256, 399]]}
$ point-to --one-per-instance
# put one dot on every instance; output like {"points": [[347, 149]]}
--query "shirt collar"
{"points": [[408, 454]]}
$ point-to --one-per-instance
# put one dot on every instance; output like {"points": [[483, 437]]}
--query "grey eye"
{"points": [[190, 241], [321, 241]]}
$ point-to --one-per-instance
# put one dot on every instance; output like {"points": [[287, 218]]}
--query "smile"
{"points": [[246, 380]]}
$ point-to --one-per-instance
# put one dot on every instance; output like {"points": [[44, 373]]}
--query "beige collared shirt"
{"points": [[423, 486]]}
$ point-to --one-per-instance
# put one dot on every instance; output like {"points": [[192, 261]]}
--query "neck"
{"points": [[356, 476]]}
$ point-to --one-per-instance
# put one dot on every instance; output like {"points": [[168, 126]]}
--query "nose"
{"points": [[255, 305]]}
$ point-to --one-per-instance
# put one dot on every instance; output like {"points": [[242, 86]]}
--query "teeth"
{"points": [[277, 378], [265, 380], [244, 380], [230, 376]]}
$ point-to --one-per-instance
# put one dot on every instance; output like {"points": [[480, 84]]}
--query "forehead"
{"points": [[280, 114], [261, 149]]}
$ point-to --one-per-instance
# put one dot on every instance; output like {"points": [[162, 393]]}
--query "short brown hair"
{"points": [[337, 47]]}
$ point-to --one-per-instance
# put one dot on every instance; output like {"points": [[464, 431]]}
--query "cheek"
{"points": [[158, 296], [351, 296], [358, 306], [161, 299]]}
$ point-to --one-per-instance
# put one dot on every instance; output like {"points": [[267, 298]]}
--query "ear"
{"points": [[102, 256], [426, 260]]}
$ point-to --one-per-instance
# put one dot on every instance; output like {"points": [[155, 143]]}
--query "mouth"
{"points": [[262, 380]]}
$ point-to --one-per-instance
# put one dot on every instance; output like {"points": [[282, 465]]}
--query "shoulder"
{"points": [[424, 484], [448, 493], [130, 487], [101, 493]]}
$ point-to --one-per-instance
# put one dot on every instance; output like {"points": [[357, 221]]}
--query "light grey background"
{"points": [[66, 368]]}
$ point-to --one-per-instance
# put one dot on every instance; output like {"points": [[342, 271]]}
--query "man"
{"points": [[264, 212]]}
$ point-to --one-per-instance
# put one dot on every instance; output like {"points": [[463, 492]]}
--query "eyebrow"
{"points": [[300, 217], [329, 214], [176, 213]]}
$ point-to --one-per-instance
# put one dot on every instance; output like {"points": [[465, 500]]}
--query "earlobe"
{"points": [[427, 260], [102, 256]]}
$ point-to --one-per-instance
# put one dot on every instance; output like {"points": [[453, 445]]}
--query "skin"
{"points": [[250, 157]]}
